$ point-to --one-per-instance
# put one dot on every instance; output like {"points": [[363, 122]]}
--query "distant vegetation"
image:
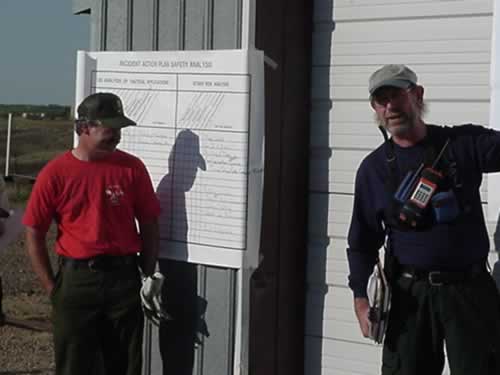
{"points": [[33, 143], [36, 112]]}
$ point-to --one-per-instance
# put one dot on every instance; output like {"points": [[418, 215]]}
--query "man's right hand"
{"points": [[362, 309], [38, 254], [49, 287]]}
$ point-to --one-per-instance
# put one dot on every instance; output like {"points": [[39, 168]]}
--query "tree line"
{"points": [[46, 112]]}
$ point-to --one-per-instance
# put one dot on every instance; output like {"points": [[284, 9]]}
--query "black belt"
{"points": [[101, 262], [438, 278]]}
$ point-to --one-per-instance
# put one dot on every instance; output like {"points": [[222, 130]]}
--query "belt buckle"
{"points": [[92, 263], [431, 278], [408, 275], [97, 264]]}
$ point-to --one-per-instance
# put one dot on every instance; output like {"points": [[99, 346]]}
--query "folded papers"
{"points": [[379, 298]]}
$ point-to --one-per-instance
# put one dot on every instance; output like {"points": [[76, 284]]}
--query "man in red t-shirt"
{"points": [[95, 194]]}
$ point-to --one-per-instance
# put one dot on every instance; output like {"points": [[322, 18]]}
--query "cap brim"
{"points": [[400, 83], [117, 122], [201, 163]]}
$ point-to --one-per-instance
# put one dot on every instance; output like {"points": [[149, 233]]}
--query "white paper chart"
{"points": [[200, 134]]}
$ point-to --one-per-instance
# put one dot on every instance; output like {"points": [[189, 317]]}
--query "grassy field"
{"points": [[23, 350], [33, 143]]}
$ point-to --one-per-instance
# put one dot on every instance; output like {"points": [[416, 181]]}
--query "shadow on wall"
{"points": [[496, 267], [180, 336], [319, 240]]}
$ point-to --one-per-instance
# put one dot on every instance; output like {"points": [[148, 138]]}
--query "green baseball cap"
{"points": [[104, 108], [392, 75]]}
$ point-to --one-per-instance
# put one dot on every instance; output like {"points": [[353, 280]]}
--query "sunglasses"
{"points": [[384, 95]]}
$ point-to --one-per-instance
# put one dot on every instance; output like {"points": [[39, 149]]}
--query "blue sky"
{"points": [[38, 44]]}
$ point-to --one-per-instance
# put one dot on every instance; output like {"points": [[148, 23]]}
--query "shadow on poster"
{"points": [[180, 336]]}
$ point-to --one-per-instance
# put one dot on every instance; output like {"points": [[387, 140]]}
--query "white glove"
{"points": [[151, 299]]}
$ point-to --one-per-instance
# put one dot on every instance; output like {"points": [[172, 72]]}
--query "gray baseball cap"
{"points": [[392, 75], [105, 108]]}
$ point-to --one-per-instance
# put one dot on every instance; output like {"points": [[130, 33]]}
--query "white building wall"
{"points": [[448, 45]]}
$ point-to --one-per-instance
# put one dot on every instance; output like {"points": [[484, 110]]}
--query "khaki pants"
{"points": [[98, 321]]}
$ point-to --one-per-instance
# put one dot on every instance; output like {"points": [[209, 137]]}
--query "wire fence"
{"points": [[32, 144]]}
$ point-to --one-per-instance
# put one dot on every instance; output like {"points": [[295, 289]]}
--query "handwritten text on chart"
{"points": [[201, 179]]}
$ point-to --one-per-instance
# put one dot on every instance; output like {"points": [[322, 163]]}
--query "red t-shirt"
{"points": [[94, 204]]}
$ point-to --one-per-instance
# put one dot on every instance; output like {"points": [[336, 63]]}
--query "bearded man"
{"points": [[418, 193]]}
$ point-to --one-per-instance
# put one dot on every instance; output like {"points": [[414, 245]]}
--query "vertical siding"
{"points": [[226, 21], [448, 44], [199, 24], [117, 19], [143, 34], [195, 19], [121, 25], [170, 25], [221, 330], [96, 27]]}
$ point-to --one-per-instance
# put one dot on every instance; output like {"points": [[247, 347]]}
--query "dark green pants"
{"points": [[98, 321], [463, 316]]}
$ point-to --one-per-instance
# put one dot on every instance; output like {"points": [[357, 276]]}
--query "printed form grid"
{"points": [[196, 158]]}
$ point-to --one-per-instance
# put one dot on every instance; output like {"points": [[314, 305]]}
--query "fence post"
{"points": [[2, 316], [7, 148]]}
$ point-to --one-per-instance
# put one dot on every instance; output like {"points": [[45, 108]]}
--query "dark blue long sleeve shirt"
{"points": [[453, 246]]}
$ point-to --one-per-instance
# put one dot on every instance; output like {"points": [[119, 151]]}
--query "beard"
{"points": [[404, 125], [400, 124]]}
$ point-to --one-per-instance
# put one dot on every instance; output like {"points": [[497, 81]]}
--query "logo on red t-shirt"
{"points": [[114, 194]]}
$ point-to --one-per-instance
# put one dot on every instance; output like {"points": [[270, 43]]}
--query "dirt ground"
{"points": [[25, 339], [24, 350]]}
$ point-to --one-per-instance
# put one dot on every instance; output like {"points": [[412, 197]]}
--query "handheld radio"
{"points": [[430, 178]]}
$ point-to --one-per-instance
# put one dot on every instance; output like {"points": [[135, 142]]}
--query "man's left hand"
{"points": [[151, 298]]}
